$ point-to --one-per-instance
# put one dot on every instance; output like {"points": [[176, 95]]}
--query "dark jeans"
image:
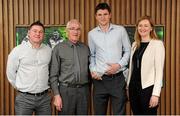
{"points": [[75, 100], [139, 100], [26, 104], [113, 88]]}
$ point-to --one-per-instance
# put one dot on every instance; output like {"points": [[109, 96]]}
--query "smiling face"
{"points": [[144, 28], [103, 17], [36, 34], [73, 30]]}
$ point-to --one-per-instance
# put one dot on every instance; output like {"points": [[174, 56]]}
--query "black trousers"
{"points": [[139, 100], [113, 88]]}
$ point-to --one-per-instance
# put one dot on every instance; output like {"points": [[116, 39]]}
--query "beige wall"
{"points": [[125, 12]]}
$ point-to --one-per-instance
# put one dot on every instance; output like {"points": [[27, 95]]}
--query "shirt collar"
{"points": [[72, 44], [111, 27], [30, 45]]}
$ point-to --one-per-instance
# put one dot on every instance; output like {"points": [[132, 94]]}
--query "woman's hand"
{"points": [[153, 101]]}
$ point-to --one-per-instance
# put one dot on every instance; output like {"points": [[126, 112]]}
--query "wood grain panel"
{"points": [[163, 94], [56, 12], [36, 10], [87, 17], [62, 12], [113, 10], [173, 16], [124, 12], [72, 7], [163, 13], [138, 9], [148, 7], [77, 10], [26, 12], [67, 14], [153, 9], [31, 11], [16, 14], [92, 14], [47, 16], [177, 100], [52, 11], [133, 15], [173, 57], [21, 11], [41, 11], [122, 15], [143, 9], [82, 18], [117, 15], [1, 61], [158, 8], [11, 45], [5, 42], [168, 59]]}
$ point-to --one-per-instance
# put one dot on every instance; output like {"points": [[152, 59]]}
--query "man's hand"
{"points": [[58, 102], [153, 101], [113, 68], [95, 76]]}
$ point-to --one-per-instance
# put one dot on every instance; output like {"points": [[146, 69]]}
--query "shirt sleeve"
{"points": [[54, 71], [126, 48], [92, 53], [12, 66]]}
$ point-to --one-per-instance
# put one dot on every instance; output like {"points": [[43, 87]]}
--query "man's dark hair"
{"points": [[102, 6], [37, 23]]}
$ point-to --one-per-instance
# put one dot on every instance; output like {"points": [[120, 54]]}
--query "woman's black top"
{"points": [[137, 58]]}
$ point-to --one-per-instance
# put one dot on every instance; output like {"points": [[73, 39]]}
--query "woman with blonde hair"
{"points": [[146, 68]]}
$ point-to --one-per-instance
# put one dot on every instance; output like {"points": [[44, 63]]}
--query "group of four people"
{"points": [[32, 67]]}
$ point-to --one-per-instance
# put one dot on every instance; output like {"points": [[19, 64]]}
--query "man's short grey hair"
{"points": [[73, 21]]}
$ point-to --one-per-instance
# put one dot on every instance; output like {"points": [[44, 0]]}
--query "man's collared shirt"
{"points": [[28, 67], [112, 46], [62, 65]]}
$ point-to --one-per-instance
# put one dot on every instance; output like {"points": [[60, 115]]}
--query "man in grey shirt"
{"points": [[69, 73], [28, 72]]}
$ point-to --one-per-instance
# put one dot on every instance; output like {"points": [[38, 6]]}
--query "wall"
{"points": [[125, 12]]}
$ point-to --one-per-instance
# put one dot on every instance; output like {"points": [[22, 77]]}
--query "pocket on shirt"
{"points": [[66, 63]]}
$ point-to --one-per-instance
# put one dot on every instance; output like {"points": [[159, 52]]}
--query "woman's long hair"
{"points": [[153, 34]]}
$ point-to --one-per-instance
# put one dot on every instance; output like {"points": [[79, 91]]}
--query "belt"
{"points": [[114, 75], [73, 85], [35, 94]]}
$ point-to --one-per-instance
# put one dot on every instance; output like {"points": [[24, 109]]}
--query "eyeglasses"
{"points": [[74, 29]]}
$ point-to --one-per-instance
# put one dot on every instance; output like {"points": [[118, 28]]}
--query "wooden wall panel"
{"points": [[26, 12], [124, 12], [177, 66], [56, 12], [42, 11], [172, 36], [1, 61], [46, 14], [62, 12], [168, 58]]}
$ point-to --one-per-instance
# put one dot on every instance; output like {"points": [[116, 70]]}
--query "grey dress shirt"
{"points": [[62, 65]]}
